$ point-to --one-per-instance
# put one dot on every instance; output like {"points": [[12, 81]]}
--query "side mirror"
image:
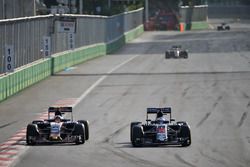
{"points": [[172, 120]]}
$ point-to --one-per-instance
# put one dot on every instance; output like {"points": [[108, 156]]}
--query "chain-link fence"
{"points": [[26, 34]]}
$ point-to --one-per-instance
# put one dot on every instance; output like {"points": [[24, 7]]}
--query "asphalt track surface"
{"points": [[210, 90]]}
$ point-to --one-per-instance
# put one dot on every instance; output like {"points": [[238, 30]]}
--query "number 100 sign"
{"points": [[9, 58]]}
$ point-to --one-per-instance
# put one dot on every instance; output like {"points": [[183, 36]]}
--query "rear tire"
{"points": [[137, 133]]}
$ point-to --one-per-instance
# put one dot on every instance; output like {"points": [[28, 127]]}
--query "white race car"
{"points": [[176, 52]]}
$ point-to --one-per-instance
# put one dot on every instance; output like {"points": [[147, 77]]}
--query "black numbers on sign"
{"points": [[9, 66], [9, 59]]}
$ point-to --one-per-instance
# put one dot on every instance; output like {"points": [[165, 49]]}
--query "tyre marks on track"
{"points": [[212, 159], [109, 145], [8, 124], [115, 133], [203, 119], [185, 91], [248, 105], [209, 113], [242, 119], [180, 159], [217, 102], [244, 114], [15, 146]]}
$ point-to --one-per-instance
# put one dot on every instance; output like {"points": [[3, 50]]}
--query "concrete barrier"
{"points": [[198, 25], [70, 58], [193, 14], [194, 17], [3, 88], [13, 83]]}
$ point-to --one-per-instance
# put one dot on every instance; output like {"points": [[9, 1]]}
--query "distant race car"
{"points": [[156, 132], [176, 52], [223, 26], [53, 131]]}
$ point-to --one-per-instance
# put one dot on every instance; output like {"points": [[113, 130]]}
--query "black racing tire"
{"points": [[219, 28], [185, 133], [184, 54], [31, 132], [137, 132], [227, 28], [86, 126], [79, 131], [131, 129], [167, 55]]}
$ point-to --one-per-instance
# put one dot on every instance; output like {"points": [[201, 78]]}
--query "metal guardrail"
{"points": [[26, 34]]}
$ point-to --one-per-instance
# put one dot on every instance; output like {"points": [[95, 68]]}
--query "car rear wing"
{"points": [[166, 110], [61, 109]]}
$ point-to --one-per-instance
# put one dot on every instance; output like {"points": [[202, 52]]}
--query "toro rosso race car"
{"points": [[160, 131], [223, 26], [57, 129], [176, 52]]}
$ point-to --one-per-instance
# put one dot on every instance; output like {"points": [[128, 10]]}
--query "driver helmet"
{"points": [[58, 118], [159, 114]]}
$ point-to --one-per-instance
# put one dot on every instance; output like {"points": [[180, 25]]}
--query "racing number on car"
{"points": [[9, 58], [161, 129]]}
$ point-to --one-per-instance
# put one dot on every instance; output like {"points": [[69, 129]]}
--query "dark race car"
{"points": [[160, 132], [57, 129], [223, 27], [176, 52]]}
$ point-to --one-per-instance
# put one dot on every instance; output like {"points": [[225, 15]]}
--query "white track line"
{"points": [[101, 79]]}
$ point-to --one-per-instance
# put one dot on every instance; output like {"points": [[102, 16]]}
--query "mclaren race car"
{"points": [[163, 131], [176, 52], [57, 129], [223, 27]]}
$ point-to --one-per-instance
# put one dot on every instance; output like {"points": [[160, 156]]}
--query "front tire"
{"points": [[167, 55], [79, 132], [131, 129], [185, 133], [137, 136], [184, 54], [31, 134], [86, 126]]}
